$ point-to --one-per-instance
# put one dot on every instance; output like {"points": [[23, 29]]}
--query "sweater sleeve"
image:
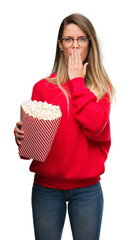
{"points": [[92, 116]]}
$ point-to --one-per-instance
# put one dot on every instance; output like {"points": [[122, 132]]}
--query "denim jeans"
{"points": [[85, 208]]}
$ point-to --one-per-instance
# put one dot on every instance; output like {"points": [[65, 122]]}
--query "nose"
{"points": [[75, 43]]}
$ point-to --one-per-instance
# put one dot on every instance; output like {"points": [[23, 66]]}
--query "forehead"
{"points": [[73, 30]]}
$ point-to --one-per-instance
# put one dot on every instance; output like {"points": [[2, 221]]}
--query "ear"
{"points": [[60, 45]]}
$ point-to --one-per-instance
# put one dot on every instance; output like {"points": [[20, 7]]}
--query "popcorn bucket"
{"points": [[38, 136]]}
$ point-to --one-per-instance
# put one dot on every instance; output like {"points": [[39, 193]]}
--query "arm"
{"points": [[92, 116]]}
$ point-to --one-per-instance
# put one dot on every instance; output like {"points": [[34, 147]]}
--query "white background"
{"points": [[28, 31]]}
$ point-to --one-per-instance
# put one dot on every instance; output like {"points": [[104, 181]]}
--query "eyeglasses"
{"points": [[68, 41]]}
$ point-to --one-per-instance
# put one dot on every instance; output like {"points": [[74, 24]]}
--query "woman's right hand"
{"points": [[19, 134]]}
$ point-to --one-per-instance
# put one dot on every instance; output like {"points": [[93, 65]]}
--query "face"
{"points": [[74, 31]]}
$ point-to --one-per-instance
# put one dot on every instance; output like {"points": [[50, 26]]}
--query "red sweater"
{"points": [[82, 142]]}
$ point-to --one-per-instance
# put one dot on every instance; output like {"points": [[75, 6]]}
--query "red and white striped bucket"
{"points": [[38, 136]]}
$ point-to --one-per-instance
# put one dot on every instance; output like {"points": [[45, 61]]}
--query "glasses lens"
{"points": [[83, 41], [67, 42]]}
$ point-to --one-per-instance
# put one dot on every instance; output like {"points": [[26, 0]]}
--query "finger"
{"points": [[18, 128], [79, 58], [18, 131], [18, 142], [19, 139], [19, 136], [76, 59], [19, 124], [69, 66], [69, 60], [72, 57], [85, 68]]}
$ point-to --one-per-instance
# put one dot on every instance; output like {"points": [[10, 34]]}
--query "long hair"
{"points": [[96, 78]]}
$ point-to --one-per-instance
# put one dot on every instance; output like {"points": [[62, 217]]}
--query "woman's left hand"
{"points": [[75, 65]]}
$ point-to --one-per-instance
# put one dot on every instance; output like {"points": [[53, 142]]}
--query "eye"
{"points": [[68, 39], [83, 39]]}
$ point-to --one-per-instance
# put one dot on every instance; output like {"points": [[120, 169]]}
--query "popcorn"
{"points": [[40, 122], [41, 110]]}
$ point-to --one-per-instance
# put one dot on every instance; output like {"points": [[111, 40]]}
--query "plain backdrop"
{"points": [[28, 35]]}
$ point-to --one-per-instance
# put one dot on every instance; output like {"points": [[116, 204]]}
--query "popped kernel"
{"points": [[41, 110]]}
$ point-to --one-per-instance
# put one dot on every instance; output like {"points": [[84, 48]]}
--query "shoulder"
{"points": [[42, 82], [38, 90]]}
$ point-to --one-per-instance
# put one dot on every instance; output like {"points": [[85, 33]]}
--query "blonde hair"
{"points": [[96, 78]]}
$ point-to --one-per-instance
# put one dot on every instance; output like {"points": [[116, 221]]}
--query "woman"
{"points": [[71, 173]]}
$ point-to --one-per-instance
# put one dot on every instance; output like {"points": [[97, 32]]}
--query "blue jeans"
{"points": [[85, 209]]}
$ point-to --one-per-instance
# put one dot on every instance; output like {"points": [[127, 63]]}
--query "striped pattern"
{"points": [[38, 137]]}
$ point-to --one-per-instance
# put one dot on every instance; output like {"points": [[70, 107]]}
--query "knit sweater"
{"points": [[81, 145]]}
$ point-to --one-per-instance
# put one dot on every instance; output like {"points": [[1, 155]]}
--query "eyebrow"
{"points": [[73, 37]]}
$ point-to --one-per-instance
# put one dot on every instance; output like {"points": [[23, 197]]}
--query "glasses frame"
{"points": [[74, 39]]}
